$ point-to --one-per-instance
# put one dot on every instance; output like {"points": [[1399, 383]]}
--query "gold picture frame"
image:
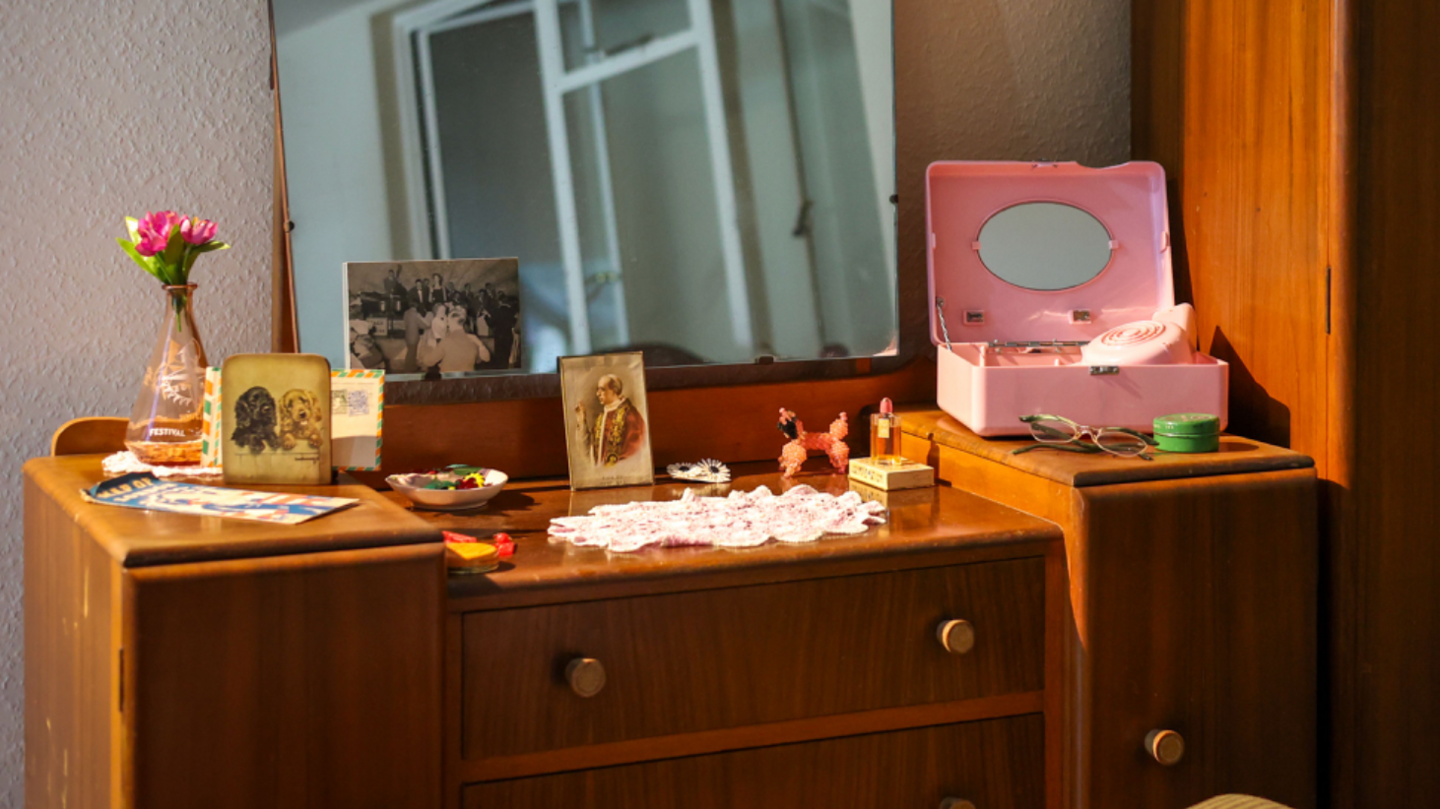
{"points": [[607, 420], [275, 419]]}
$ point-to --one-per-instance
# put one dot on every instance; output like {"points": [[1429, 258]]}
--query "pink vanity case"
{"points": [[1125, 382]]}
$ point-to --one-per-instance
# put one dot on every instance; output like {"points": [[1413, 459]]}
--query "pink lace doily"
{"points": [[741, 520]]}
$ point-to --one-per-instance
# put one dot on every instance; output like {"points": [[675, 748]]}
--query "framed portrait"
{"points": [[275, 419], [607, 420], [419, 319]]}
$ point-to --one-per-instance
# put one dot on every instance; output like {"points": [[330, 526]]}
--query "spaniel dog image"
{"points": [[300, 419], [255, 420]]}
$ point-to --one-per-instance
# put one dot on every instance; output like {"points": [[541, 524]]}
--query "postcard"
{"points": [[144, 491]]}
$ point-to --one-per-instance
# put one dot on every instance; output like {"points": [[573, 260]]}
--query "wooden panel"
{"points": [[1252, 148], [284, 328], [733, 423], [727, 658], [770, 734], [71, 662], [995, 764], [310, 680], [87, 436], [1396, 603], [1200, 618], [137, 537], [1236, 455]]}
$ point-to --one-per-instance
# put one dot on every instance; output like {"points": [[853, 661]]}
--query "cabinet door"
{"points": [[996, 764], [310, 680], [1198, 617]]}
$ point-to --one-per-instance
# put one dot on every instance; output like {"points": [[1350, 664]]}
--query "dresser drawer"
{"points": [[996, 764], [742, 656]]}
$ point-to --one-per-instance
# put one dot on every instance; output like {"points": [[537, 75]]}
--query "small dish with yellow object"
{"points": [[455, 488]]}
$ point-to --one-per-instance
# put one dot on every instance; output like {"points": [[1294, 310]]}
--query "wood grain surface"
{"points": [[705, 742], [1384, 723], [950, 527], [526, 437], [306, 680], [138, 537], [745, 656], [72, 665], [996, 764], [1234, 99], [284, 327], [1210, 632], [1237, 455], [1191, 599], [1364, 72], [89, 435]]}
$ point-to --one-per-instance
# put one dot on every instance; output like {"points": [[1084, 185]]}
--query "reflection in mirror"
{"points": [[703, 180], [1044, 245]]}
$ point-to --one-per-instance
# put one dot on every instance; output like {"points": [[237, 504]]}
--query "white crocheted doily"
{"points": [[741, 520], [125, 463]]}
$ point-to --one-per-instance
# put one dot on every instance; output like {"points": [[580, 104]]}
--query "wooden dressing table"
{"points": [[170, 666], [185, 661]]}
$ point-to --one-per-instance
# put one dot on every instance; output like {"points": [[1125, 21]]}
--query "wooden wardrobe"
{"points": [[1302, 140]]}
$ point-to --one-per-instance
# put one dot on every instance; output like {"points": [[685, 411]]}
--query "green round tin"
{"points": [[1188, 432]]}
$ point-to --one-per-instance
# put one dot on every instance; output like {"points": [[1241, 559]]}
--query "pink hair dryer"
{"points": [[1164, 340]]}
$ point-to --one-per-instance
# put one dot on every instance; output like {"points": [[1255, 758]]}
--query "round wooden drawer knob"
{"points": [[1165, 746], [958, 637], [586, 676], [956, 803]]}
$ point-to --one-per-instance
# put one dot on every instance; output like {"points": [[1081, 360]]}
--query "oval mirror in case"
{"points": [[1045, 245]]}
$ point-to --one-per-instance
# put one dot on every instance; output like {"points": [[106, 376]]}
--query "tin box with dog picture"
{"points": [[275, 419]]}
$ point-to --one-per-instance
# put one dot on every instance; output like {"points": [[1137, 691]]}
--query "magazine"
{"points": [[144, 490]]}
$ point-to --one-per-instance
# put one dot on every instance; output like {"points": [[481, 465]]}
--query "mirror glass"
{"points": [[707, 181], [1044, 245]]}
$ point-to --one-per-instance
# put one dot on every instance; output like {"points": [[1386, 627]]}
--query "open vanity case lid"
{"points": [[965, 201]]}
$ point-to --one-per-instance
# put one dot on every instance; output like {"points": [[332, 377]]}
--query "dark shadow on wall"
{"points": [[1253, 412]]}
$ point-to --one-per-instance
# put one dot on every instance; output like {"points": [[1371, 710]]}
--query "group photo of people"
{"points": [[428, 317]]}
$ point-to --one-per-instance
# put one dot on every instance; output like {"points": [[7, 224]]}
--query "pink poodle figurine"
{"points": [[793, 455]]}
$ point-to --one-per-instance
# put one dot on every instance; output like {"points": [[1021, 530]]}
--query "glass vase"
{"points": [[166, 425]]}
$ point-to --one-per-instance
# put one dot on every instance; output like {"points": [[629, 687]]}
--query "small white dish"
{"points": [[413, 487]]}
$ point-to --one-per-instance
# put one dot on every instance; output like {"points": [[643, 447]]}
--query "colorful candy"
{"points": [[456, 476]]}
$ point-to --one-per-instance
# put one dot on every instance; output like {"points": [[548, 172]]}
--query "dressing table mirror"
{"points": [[710, 182]]}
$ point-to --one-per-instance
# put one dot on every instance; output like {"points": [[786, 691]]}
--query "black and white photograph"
{"points": [[459, 316]]}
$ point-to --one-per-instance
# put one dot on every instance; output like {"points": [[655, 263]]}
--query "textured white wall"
{"points": [[1029, 79], [115, 108], [107, 109]]}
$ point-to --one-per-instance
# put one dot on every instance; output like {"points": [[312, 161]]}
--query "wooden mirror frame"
{"points": [[729, 419], [912, 322]]}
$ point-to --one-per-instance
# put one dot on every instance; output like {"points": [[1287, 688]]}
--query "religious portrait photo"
{"points": [[607, 420], [433, 318]]}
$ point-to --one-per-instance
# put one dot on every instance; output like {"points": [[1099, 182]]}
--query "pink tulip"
{"points": [[196, 230], [154, 232]]}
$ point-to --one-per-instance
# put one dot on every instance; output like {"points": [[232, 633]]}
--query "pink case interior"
{"points": [[1128, 199], [990, 391]]}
